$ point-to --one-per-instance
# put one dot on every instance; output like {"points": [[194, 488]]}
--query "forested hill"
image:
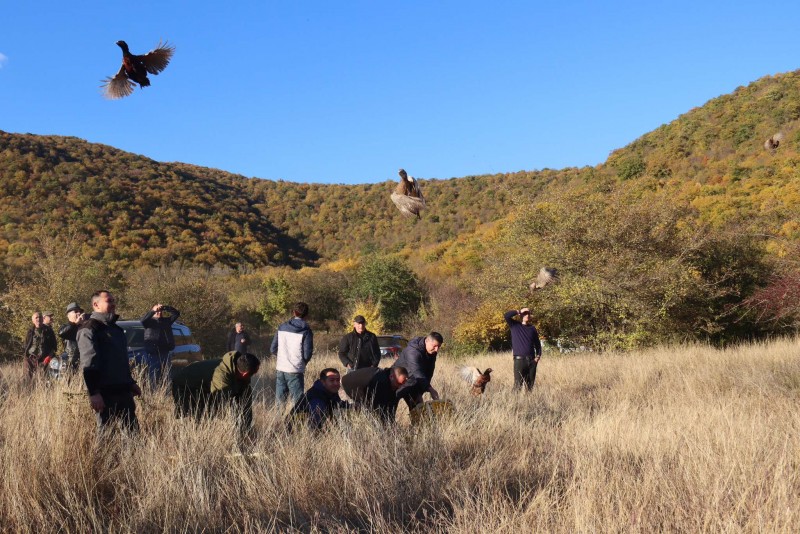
{"points": [[133, 210]]}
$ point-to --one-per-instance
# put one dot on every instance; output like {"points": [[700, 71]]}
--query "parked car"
{"points": [[186, 350], [392, 346]]}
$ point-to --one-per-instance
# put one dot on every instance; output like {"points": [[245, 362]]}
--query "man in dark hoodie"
{"points": [[376, 389], [69, 333], [526, 347], [319, 404], [104, 360], [419, 358], [206, 386], [292, 346], [359, 348], [158, 340]]}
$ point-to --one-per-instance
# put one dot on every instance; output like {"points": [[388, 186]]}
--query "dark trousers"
{"points": [[524, 373], [121, 407]]}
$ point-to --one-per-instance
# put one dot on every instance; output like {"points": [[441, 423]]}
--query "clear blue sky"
{"points": [[347, 92]]}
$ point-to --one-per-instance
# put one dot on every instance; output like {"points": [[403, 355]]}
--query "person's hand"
{"points": [[536, 359], [156, 307], [523, 311], [349, 366], [136, 390], [433, 392], [97, 403]]}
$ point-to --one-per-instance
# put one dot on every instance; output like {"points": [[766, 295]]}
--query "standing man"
{"points": [[40, 345], [292, 345], [319, 404], [47, 318], [359, 348], [204, 387], [239, 340], [158, 340], [376, 389], [69, 333], [419, 358], [104, 360], [525, 346]]}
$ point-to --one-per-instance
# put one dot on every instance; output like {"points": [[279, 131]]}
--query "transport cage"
{"points": [[431, 411]]}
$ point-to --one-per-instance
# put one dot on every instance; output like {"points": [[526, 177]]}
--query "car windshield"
{"points": [[390, 341]]}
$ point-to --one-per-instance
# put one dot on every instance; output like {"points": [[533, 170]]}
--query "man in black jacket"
{"points": [[526, 347], [376, 389], [158, 340], [359, 348], [104, 361], [69, 333], [39, 346], [419, 358]]}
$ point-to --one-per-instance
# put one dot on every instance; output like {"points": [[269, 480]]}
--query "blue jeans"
{"points": [[158, 364], [288, 384]]}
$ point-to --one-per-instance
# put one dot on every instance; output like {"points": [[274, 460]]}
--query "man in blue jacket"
{"points": [[525, 346], [419, 359], [319, 404], [292, 346]]}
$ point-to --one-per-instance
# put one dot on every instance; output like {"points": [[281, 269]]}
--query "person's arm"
{"points": [[344, 352], [273, 349], [317, 413], [173, 314], [91, 364], [537, 346], [308, 345], [51, 344], [146, 318], [509, 316]]}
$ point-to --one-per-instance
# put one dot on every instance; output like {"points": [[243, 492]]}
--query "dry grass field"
{"points": [[686, 439]]}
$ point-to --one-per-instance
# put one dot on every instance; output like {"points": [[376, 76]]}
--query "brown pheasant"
{"points": [[407, 196], [478, 379]]}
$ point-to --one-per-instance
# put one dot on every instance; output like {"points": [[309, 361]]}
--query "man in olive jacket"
{"points": [[359, 348], [208, 385]]}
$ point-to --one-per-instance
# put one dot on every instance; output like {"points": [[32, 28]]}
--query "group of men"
{"points": [[98, 346]]}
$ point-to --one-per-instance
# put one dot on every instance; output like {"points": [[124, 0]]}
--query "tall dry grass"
{"points": [[686, 439]]}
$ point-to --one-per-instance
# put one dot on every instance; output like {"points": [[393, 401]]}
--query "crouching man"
{"points": [[318, 405], [376, 389], [207, 386]]}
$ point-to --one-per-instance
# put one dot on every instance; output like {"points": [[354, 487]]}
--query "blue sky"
{"points": [[347, 92]]}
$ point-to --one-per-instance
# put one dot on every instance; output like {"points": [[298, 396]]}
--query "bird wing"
{"points": [[407, 205], [469, 374], [117, 86], [157, 59], [546, 275], [415, 190]]}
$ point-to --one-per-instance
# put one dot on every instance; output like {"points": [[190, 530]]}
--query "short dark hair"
{"points": [[96, 294], [300, 309], [248, 362], [324, 373], [400, 371], [437, 336]]}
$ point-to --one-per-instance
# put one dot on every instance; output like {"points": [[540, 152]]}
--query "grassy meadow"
{"points": [[683, 439]]}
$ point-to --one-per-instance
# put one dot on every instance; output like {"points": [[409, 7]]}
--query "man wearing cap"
{"points": [[359, 348], [40, 345], [525, 346], [47, 318], [69, 333]]}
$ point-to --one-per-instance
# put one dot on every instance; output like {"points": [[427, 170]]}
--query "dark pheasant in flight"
{"points": [[135, 69], [478, 379], [407, 196]]}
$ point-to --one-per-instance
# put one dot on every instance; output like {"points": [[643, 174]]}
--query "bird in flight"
{"points": [[135, 69], [407, 195], [546, 276], [773, 142]]}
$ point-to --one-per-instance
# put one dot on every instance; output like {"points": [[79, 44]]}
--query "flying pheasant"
{"points": [[478, 379], [135, 68], [773, 142], [407, 196], [546, 276]]}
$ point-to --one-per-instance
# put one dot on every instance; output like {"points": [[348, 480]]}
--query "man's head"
{"points": [[36, 319], [239, 327], [47, 317], [397, 377], [331, 380], [103, 301], [300, 310], [74, 312], [433, 342], [525, 315], [359, 324], [246, 366]]}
